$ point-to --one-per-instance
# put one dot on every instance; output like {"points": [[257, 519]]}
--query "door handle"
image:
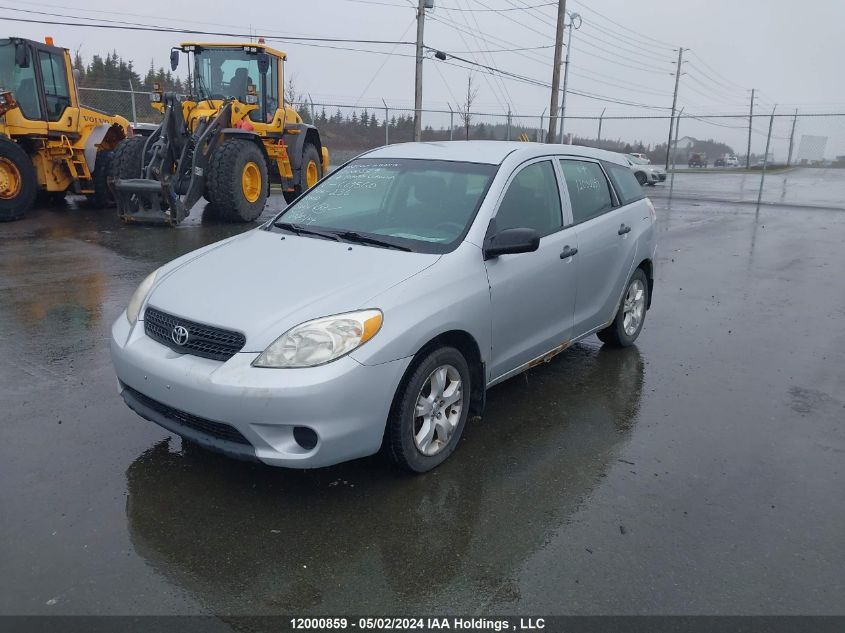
{"points": [[568, 252], [623, 229]]}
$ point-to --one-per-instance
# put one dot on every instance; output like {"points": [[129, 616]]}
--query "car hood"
{"points": [[263, 283]]}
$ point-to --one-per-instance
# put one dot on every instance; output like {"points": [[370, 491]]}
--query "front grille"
{"points": [[214, 429], [203, 340]]}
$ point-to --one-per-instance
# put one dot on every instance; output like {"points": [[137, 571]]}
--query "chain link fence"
{"points": [[133, 105], [775, 158]]}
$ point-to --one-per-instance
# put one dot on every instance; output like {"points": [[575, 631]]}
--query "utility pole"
{"points": [[561, 15], [750, 123], [674, 103], [572, 18], [418, 78], [791, 138], [766, 157], [386, 123], [601, 118]]}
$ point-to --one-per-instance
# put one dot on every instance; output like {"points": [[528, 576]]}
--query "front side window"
{"points": [[625, 183], [21, 81], [422, 205], [227, 73], [56, 93], [589, 191], [532, 201]]}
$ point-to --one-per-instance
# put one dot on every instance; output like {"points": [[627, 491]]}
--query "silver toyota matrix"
{"points": [[376, 310]]}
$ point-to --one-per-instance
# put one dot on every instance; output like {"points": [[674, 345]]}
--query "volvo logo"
{"points": [[180, 335]]}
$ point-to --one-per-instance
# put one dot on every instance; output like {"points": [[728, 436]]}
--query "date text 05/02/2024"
{"points": [[418, 623]]}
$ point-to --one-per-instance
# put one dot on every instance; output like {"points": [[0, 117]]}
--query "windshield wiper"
{"points": [[352, 236], [301, 230]]}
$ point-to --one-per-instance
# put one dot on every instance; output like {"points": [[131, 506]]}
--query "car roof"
{"points": [[488, 152]]}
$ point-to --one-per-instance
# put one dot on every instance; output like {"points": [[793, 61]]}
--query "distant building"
{"points": [[811, 149], [683, 149]]}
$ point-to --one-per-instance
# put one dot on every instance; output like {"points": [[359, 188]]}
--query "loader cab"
{"points": [[38, 76], [250, 73]]}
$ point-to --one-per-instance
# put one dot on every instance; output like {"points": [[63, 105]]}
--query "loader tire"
{"points": [[18, 184], [312, 168], [237, 181], [102, 196], [126, 159]]}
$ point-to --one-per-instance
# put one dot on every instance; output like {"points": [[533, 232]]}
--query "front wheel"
{"points": [[18, 184], [641, 177], [237, 180], [429, 411], [629, 319]]}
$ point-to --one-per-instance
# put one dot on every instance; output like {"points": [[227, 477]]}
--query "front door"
{"points": [[532, 294]]}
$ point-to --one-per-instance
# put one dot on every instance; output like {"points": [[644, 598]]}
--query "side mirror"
{"points": [[511, 241], [263, 62], [21, 55], [174, 59]]}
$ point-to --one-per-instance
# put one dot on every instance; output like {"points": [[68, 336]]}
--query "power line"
{"points": [[715, 72], [627, 51], [536, 6], [158, 29], [622, 26]]}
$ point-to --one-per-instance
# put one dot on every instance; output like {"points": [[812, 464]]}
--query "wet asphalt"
{"points": [[699, 472]]}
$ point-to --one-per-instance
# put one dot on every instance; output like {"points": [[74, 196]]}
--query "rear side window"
{"points": [[589, 191], [532, 201], [625, 183]]}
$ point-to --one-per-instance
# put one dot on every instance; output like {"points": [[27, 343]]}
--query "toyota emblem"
{"points": [[180, 335]]}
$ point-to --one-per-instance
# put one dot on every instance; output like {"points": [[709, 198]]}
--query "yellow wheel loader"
{"points": [[49, 143], [226, 141]]}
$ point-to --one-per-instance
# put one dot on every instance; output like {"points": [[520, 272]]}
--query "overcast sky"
{"points": [[792, 53]]}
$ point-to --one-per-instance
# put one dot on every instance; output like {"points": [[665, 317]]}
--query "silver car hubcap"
{"points": [[633, 307], [438, 410]]}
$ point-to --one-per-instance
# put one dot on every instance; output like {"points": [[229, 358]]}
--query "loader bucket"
{"points": [[168, 177]]}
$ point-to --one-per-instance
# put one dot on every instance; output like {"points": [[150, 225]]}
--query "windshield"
{"points": [[21, 81], [636, 160], [423, 205], [226, 73]]}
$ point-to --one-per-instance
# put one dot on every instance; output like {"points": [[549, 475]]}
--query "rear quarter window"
{"points": [[625, 183]]}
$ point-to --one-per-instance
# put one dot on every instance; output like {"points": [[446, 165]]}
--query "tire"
{"points": [[237, 180], [18, 183], [616, 334], [641, 178], [400, 444], [102, 196], [126, 158], [312, 168]]}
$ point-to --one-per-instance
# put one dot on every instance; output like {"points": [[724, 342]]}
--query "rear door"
{"points": [[605, 249], [532, 294]]}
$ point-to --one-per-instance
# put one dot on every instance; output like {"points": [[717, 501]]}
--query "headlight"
{"points": [[137, 299], [322, 340]]}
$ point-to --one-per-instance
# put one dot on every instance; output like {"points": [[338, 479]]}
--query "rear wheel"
{"points": [[18, 184], [237, 181], [309, 174], [429, 411], [312, 168], [102, 196], [628, 322], [126, 158]]}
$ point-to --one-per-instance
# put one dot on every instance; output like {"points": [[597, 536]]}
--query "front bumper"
{"points": [[251, 413], [656, 176]]}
